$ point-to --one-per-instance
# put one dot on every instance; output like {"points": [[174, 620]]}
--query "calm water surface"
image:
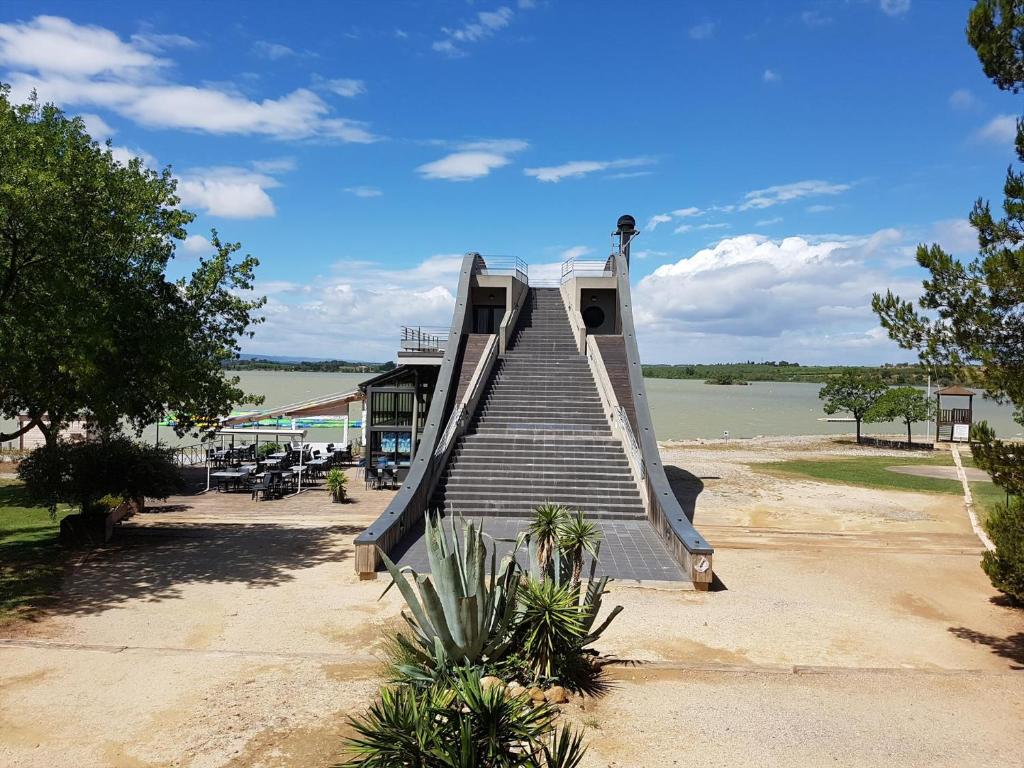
{"points": [[681, 409]]}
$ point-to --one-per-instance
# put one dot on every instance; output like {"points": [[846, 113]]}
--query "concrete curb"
{"points": [[969, 501]]}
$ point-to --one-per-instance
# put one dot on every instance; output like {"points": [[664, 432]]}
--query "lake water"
{"points": [[682, 409]]}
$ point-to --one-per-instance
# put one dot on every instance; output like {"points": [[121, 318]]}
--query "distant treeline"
{"points": [[720, 373], [319, 366]]}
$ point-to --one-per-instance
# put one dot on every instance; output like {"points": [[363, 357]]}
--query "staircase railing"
{"points": [[617, 416], [459, 419], [636, 457]]}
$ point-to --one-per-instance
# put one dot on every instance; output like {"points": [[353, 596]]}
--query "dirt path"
{"points": [[854, 628]]}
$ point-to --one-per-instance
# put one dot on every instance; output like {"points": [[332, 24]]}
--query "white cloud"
{"points": [[363, 191], [55, 45], [894, 7], [683, 213], [487, 23], [956, 236], [97, 127], [815, 18], [196, 245], [782, 193], [576, 252], [339, 315], [1000, 130], [771, 76], [474, 160], [228, 191], [682, 228], [272, 51], [750, 296], [124, 155], [157, 43], [702, 31], [961, 98], [654, 221], [819, 208], [769, 222], [89, 66], [577, 168], [345, 86]]}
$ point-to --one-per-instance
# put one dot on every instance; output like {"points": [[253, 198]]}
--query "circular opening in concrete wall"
{"points": [[593, 317]]}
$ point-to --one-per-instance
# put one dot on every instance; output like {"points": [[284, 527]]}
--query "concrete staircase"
{"points": [[540, 434]]}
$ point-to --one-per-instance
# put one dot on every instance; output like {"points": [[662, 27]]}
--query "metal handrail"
{"points": [[424, 338], [190, 455], [630, 441], [592, 267], [505, 265], [454, 422]]}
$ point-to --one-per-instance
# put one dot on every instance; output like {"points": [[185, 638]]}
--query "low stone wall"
{"points": [[892, 443]]}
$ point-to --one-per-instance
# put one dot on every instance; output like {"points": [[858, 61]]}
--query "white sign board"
{"points": [[961, 432]]}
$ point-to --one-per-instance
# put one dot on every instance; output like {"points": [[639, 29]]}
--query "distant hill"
{"points": [[898, 374]]}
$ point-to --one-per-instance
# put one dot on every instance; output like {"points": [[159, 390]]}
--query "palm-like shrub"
{"points": [[544, 529], [461, 725], [462, 611], [576, 537], [549, 622], [337, 483]]}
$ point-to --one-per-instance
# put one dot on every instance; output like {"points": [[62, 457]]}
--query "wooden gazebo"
{"points": [[954, 424]]}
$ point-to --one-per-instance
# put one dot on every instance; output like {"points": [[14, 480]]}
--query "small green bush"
{"points": [[337, 483], [268, 448], [1005, 566], [461, 724]]}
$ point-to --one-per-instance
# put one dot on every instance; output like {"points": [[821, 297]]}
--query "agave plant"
{"points": [[462, 611], [550, 625]]}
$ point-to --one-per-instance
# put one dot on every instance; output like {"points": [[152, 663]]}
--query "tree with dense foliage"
{"points": [[971, 321], [90, 325], [907, 404], [854, 393], [971, 318], [83, 473]]}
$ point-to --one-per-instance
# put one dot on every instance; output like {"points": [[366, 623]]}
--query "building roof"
{"points": [[328, 405], [956, 390]]}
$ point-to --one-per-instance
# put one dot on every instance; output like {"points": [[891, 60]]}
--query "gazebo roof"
{"points": [[956, 391]]}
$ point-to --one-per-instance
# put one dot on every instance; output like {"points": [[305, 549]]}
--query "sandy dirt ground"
{"points": [[849, 627]]}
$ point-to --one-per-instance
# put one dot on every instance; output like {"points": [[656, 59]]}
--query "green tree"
{"points": [[852, 392], [82, 473], [971, 318], [90, 325], [907, 404], [970, 321]]}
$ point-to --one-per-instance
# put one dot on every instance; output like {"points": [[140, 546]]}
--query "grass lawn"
{"points": [[31, 560], [873, 472]]}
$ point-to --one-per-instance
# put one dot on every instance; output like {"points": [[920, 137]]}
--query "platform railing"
{"points": [[572, 268], [505, 265], [423, 338]]}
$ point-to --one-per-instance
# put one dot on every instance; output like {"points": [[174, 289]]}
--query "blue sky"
{"points": [[783, 158]]}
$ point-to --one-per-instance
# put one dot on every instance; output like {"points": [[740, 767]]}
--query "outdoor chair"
{"points": [[263, 485], [372, 477]]}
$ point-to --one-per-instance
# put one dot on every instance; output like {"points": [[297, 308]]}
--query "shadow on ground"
{"points": [[1010, 647], [686, 486], [154, 564]]}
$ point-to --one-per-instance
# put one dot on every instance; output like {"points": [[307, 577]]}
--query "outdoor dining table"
{"points": [[229, 476]]}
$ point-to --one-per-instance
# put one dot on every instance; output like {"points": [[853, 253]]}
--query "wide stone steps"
{"points": [[540, 433]]}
